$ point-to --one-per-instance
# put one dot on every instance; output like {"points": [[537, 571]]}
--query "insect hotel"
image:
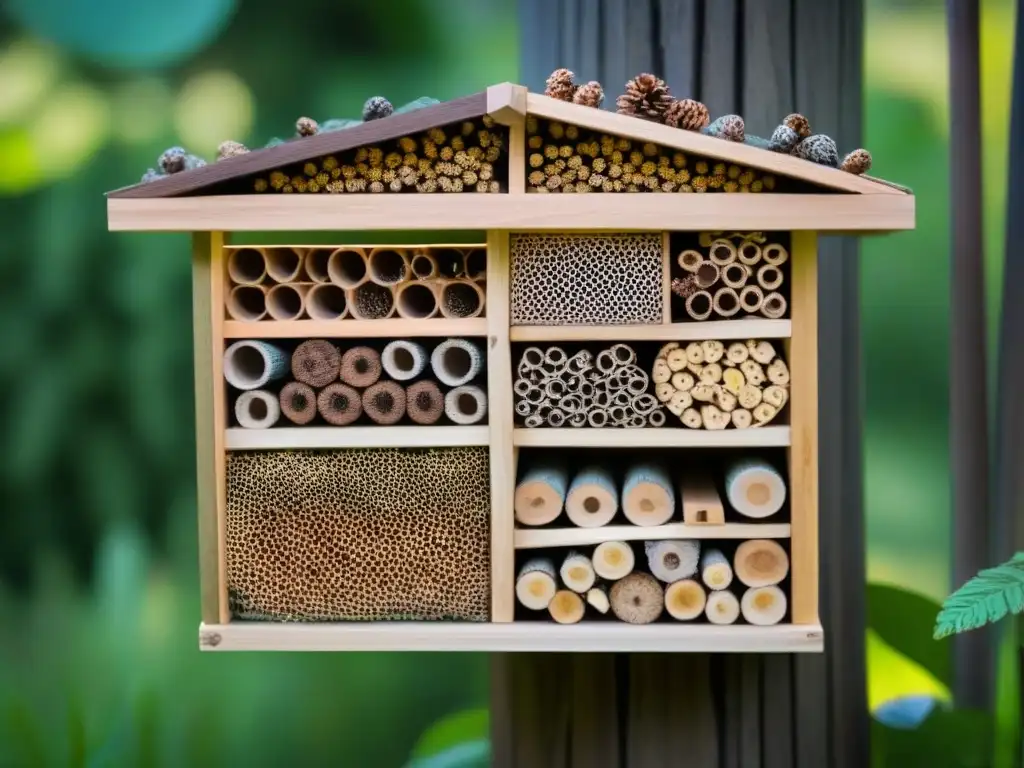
{"points": [[564, 397]]}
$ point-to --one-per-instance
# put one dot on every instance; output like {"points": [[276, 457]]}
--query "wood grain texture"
{"points": [[355, 329], [300, 438], [594, 719], [539, 538], [746, 328], [651, 437], [517, 147], [767, 64], [258, 161], [680, 43]]}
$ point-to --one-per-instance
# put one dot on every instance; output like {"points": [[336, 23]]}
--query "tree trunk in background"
{"points": [[762, 60]]}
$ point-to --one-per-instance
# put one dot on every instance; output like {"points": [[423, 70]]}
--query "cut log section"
{"points": [[760, 563], [763, 606], [715, 570], [577, 572], [597, 598], [247, 303], [257, 409], [456, 362], [536, 585], [637, 599], [360, 367], [298, 402], [701, 503], [384, 402], [424, 402], [316, 362], [346, 267], [690, 260], [647, 495], [736, 353], [566, 607], [755, 488], [672, 560], [339, 404], [722, 607], [685, 599], [592, 499], [613, 560], [742, 418], [540, 495], [761, 350]]}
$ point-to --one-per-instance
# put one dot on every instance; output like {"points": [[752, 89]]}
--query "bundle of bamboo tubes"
{"points": [[415, 283], [714, 385], [732, 275], [603, 390]]}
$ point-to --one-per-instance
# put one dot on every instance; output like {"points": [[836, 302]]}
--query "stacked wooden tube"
{"points": [[730, 276], [609, 389], [355, 283], [715, 385], [344, 385]]}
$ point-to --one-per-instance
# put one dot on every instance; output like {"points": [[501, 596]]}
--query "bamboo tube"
{"points": [[749, 253], [522, 386], [456, 362], [737, 352], [613, 560], [726, 302], [769, 277], [577, 420], [713, 350], [778, 372], [577, 572], [450, 262], [415, 301], [711, 374], [699, 305], [423, 265], [566, 607], [764, 413], [760, 563], [592, 499], [247, 303], [597, 418], [713, 417], [622, 399], [774, 306], [715, 570], [424, 402], [685, 599], [735, 275], [761, 350], [571, 404], [605, 362], [672, 560], [554, 388], [387, 266], [749, 397], [751, 298], [644, 404], [326, 301], [647, 495], [656, 419], [284, 265], [315, 263], [754, 488], [623, 354], [581, 362], [597, 598], [733, 380], [775, 254], [617, 414], [370, 301], [247, 266], [532, 359], [384, 402], [347, 267], [707, 275], [534, 420], [763, 606], [339, 404], [637, 599], [460, 298], [682, 381], [298, 402], [535, 584], [741, 418], [691, 418], [360, 367], [465, 405], [775, 396], [676, 358], [257, 409], [287, 301], [660, 372], [475, 263], [694, 353], [752, 372], [722, 607], [251, 364], [725, 400], [540, 495], [703, 392], [690, 260], [722, 252], [316, 362], [403, 360], [534, 394]]}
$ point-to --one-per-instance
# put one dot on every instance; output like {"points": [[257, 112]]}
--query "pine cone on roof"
{"points": [[589, 95], [377, 107], [560, 85], [688, 114], [819, 149], [784, 139], [306, 126], [728, 127], [858, 162], [798, 123], [646, 96], [231, 149]]}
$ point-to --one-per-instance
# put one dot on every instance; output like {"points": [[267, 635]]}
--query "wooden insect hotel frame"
{"points": [[590, 426]]}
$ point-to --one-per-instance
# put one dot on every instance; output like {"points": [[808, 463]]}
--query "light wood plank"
{"points": [[394, 327], [506, 103], [753, 328], [283, 438], [500, 419], [803, 452], [540, 538], [517, 148], [654, 437], [521, 636], [368, 246], [531, 212], [208, 276]]}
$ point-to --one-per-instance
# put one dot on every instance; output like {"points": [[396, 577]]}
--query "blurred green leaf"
{"points": [[947, 739], [904, 620], [459, 728]]}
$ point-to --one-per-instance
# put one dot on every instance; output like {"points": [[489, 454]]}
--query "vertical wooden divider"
{"points": [[502, 456], [208, 275], [666, 278], [803, 409]]}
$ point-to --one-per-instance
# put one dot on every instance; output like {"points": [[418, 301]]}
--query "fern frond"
{"points": [[984, 599]]}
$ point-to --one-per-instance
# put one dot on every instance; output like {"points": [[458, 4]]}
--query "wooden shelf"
{"points": [[239, 439], [752, 328], [531, 636], [650, 437], [535, 538], [395, 327]]}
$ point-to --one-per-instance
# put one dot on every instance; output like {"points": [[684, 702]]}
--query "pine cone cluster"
{"points": [[688, 114], [589, 95], [798, 124], [560, 85], [377, 107], [306, 126], [818, 148], [646, 96], [728, 127], [784, 139], [231, 149], [857, 162]]}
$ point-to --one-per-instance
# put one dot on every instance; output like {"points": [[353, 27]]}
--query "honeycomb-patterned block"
{"points": [[586, 279], [380, 534]]}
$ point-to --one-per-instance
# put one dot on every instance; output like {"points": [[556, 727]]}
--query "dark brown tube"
{"points": [[316, 362], [360, 367], [424, 402], [450, 262], [298, 402], [384, 402], [339, 404]]}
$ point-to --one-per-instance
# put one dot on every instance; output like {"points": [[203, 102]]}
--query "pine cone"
{"points": [[173, 160], [231, 149], [560, 85], [728, 127], [307, 126], [819, 149], [684, 287], [376, 107], [687, 114], [646, 96], [589, 95], [784, 139], [858, 162], [799, 124]]}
